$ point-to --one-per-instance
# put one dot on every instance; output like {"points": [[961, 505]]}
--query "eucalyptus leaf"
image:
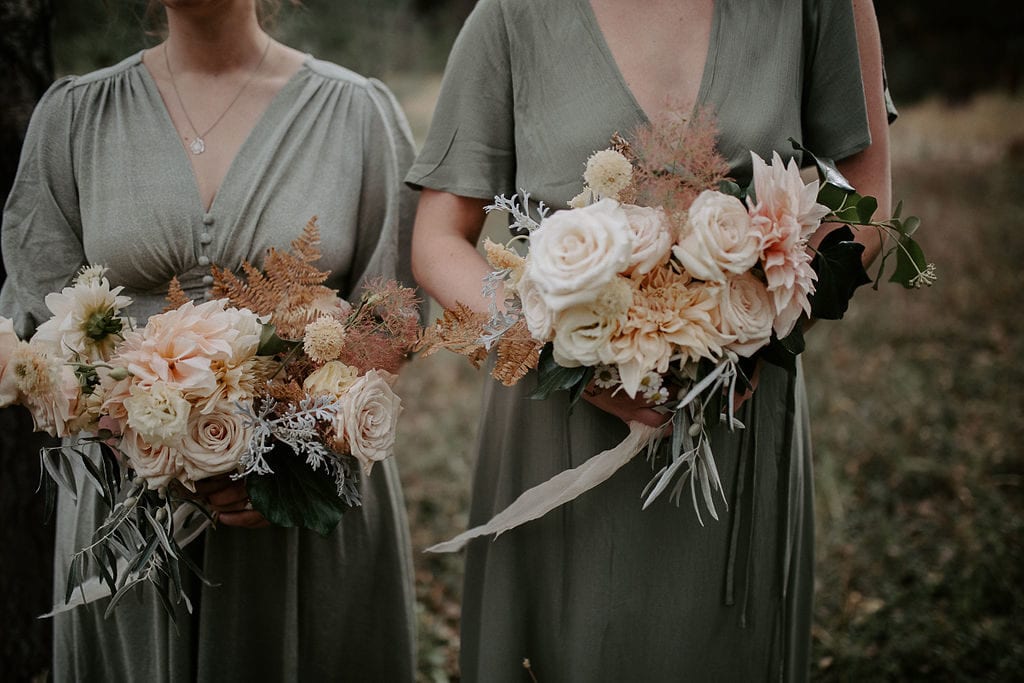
{"points": [[831, 196], [294, 495], [910, 261], [840, 272], [910, 225]]}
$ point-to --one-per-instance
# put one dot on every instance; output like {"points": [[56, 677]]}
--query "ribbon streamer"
{"points": [[561, 488]]}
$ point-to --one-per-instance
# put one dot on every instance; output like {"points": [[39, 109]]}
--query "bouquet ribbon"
{"points": [[561, 488]]}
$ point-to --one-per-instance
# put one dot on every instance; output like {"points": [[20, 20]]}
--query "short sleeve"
{"points": [[42, 227], [470, 149], [386, 205], [835, 120]]}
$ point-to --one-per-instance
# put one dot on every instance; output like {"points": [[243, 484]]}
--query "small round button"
{"points": [[205, 238], [204, 260], [208, 219], [207, 279]]}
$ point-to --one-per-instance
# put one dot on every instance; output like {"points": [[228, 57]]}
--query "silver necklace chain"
{"points": [[198, 145]]}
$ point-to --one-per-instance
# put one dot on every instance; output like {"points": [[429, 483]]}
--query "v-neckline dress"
{"points": [[599, 590], [105, 180]]}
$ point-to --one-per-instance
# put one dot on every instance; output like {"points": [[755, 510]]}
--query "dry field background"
{"points": [[917, 411]]}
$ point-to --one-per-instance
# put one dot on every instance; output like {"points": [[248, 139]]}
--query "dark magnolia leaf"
{"points": [[794, 341], [827, 171], [777, 354], [576, 391], [910, 261], [866, 208], [732, 189], [840, 272], [552, 377], [294, 495], [831, 196]]}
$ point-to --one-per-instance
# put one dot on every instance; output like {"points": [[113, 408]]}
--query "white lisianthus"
{"points": [[581, 334], [158, 413], [214, 442], [333, 379], [652, 238], [576, 252], [717, 239], [368, 418], [158, 464], [85, 323], [608, 173], [746, 314]]}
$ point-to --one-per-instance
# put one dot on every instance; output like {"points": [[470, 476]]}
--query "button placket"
{"points": [[205, 239]]}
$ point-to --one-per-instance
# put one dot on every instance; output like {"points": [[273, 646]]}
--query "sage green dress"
{"points": [[104, 179], [599, 590]]}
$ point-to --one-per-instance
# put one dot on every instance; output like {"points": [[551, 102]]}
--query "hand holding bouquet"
{"points": [[276, 380], [666, 281]]}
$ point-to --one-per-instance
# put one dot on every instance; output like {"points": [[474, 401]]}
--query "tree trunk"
{"points": [[26, 540]]}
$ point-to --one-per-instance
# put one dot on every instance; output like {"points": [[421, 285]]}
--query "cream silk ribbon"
{"points": [[563, 487]]}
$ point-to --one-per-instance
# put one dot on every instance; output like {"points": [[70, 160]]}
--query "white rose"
{"points": [[746, 314], [158, 464], [652, 238], [576, 252], [215, 442], [581, 334], [368, 418], [540, 319], [717, 239], [159, 413]]}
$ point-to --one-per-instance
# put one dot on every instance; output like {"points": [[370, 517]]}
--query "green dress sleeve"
{"points": [[386, 206], [835, 121], [42, 225], [470, 149]]}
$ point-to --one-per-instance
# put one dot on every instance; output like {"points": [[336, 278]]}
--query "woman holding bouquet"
{"points": [[208, 149], [598, 590]]}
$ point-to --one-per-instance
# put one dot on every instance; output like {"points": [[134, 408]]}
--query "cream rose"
{"points": [[746, 314], [540, 319], [158, 413], [8, 381], [718, 239], [652, 238], [576, 252], [214, 443], [581, 334], [368, 418], [333, 379], [158, 464]]}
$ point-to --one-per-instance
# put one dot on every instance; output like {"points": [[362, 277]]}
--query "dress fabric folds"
{"points": [[599, 590], [105, 180]]}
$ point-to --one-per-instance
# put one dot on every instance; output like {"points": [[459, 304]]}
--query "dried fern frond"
{"points": [[176, 296], [287, 277], [458, 330], [518, 353]]}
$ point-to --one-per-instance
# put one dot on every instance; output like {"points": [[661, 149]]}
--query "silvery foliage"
{"points": [[691, 457], [504, 317], [297, 429]]}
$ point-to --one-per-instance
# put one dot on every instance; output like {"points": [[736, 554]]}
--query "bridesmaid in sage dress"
{"points": [[106, 178], [598, 590]]}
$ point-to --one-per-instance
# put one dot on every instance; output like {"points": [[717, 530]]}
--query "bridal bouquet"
{"points": [[276, 379], [667, 281]]}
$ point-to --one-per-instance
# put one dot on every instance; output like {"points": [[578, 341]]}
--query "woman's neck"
{"points": [[214, 39]]}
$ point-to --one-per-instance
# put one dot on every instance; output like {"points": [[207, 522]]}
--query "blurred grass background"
{"points": [[917, 409]]}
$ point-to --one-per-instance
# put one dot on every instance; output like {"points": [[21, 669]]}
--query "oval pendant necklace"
{"points": [[198, 144]]}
